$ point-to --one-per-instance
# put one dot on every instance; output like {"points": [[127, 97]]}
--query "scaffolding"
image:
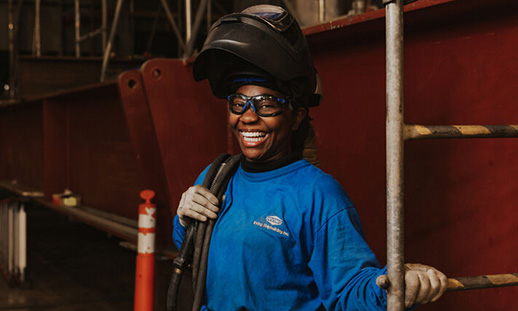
{"points": [[396, 134]]}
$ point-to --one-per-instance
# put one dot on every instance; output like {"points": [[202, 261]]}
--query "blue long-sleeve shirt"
{"points": [[289, 239]]}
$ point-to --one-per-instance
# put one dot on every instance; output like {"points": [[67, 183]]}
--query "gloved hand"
{"points": [[197, 203], [423, 284]]}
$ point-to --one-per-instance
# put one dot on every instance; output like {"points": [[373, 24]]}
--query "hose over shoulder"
{"points": [[195, 247]]}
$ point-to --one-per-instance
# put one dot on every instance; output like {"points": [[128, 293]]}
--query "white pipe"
{"points": [[77, 26], [188, 23], [22, 243], [10, 238]]}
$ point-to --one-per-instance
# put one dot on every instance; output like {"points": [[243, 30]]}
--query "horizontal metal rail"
{"points": [[482, 281], [414, 132], [114, 224]]}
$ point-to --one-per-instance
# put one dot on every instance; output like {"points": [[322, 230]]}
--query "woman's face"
{"points": [[264, 139]]}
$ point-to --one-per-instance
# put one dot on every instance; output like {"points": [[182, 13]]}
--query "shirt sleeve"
{"points": [[178, 229], [344, 267]]}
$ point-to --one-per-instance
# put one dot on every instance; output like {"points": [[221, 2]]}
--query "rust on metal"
{"points": [[394, 158], [482, 281], [414, 132]]}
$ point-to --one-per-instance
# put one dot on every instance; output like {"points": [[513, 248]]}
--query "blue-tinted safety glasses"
{"points": [[263, 105]]}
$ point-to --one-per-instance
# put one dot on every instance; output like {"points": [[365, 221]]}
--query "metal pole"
{"points": [[482, 281], [104, 14], [414, 131], [36, 43], [197, 22], [188, 12], [77, 26], [181, 43], [394, 145], [153, 29], [12, 56], [22, 242], [108, 49], [321, 10]]}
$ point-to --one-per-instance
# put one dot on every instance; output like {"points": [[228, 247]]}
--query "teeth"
{"points": [[253, 137], [253, 134]]}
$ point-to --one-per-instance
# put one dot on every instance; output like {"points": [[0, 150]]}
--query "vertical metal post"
{"points": [[358, 7], [3, 233], [321, 10], [77, 26], [10, 238], [153, 29], [108, 49], [188, 22], [395, 140], [21, 241], [197, 22], [176, 30], [36, 40], [12, 51], [104, 14]]}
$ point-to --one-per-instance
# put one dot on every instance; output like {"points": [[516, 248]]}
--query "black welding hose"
{"points": [[218, 189], [180, 263], [197, 238], [208, 183], [185, 255]]}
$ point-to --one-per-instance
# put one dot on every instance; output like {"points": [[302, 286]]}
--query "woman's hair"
{"points": [[303, 141]]}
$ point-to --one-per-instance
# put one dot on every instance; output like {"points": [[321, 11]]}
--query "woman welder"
{"points": [[287, 236]]}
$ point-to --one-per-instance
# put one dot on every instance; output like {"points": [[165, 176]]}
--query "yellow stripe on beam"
{"points": [[472, 129], [422, 130], [500, 279], [453, 283]]}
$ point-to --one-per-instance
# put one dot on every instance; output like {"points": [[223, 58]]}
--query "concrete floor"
{"points": [[71, 267]]}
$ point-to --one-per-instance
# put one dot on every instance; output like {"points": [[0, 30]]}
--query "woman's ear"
{"points": [[298, 115]]}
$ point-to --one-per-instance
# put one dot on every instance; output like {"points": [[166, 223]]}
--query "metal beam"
{"points": [[12, 51], [414, 132], [169, 15], [196, 27], [482, 281], [77, 27], [394, 145], [108, 49], [188, 20], [36, 40]]}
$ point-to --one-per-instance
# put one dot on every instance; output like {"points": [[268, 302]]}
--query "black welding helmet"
{"points": [[264, 41]]}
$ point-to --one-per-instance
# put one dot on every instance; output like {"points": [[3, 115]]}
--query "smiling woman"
{"points": [[287, 236], [264, 138]]}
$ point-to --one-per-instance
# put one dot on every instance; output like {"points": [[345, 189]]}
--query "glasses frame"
{"points": [[253, 100]]}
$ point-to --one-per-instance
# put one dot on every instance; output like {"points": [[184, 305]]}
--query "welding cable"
{"points": [[194, 248], [218, 189], [180, 264], [208, 183], [185, 255]]}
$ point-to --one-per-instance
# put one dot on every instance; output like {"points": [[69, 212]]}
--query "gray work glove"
{"points": [[197, 203], [423, 284]]}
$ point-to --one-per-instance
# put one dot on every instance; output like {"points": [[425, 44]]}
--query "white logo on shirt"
{"points": [[274, 220], [272, 223]]}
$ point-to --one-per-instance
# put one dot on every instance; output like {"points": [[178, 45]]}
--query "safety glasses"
{"points": [[263, 105]]}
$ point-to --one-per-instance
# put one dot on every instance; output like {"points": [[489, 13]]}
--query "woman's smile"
{"points": [[252, 138], [263, 138]]}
